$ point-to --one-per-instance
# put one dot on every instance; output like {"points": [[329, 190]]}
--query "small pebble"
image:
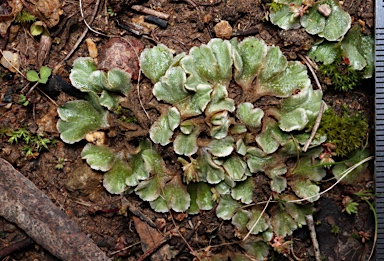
{"points": [[325, 10], [223, 30]]}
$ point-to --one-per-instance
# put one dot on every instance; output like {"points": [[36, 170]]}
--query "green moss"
{"points": [[346, 132], [125, 115], [341, 75], [274, 6], [25, 17]]}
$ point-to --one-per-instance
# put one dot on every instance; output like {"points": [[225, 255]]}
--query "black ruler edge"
{"points": [[379, 126]]}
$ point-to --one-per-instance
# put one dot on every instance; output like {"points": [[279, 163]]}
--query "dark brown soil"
{"points": [[119, 233]]}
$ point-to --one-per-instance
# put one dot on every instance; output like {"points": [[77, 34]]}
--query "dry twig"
{"points": [[149, 11], [306, 61], [81, 38], [315, 126], [257, 221], [312, 231]]}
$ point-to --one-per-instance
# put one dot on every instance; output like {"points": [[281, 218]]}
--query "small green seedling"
{"points": [[335, 230], [24, 17], [60, 163], [350, 206], [34, 143], [21, 133], [111, 12], [23, 100], [41, 77]]}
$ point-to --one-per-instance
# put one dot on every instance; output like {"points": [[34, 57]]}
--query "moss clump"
{"points": [[340, 75], [25, 17], [274, 6], [347, 132]]}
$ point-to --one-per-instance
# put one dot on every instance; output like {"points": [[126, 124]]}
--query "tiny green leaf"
{"points": [[258, 160], [305, 189], [186, 144], [227, 207], [294, 78], [262, 222], [170, 88], [249, 115], [257, 249], [252, 53], [221, 148], [299, 109], [284, 18], [98, 157], [114, 179], [32, 76], [235, 167], [201, 197], [149, 190], [118, 81], [208, 169], [298, 212], [350, 46], [282, 223], [45, 72], [209, 63], [275, 64], [244, 191], [77, 118], [221, 124], [220, 101], [222, 188], [155, 62], [324, 52], [36, 28], [80, 73], [161, 131], [175, 196], [109, 100], [337, 24], [305, 169], [313, 21], [195, 103], [97, 81], [139, 171], [278, 183], [240, 220], [355, 175], [271, 137]]}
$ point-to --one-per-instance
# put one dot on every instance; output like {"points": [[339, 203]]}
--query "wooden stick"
{"points": [[306, 60], [312, 231], [6, 251], [315, 127], [30, 209], [149, 11]]}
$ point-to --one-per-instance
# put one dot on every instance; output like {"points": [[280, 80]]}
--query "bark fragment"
{"points": [[25, 205]]}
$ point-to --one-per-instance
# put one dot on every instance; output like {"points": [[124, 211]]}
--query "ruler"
{"points": [[379, 126]]}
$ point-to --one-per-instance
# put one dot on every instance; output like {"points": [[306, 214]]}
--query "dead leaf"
{"points": [[7, 19], [48, 11], [150, 237], [10, 60]]}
